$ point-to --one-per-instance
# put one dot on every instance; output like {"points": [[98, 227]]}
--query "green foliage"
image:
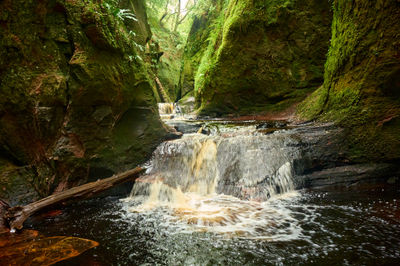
{"points": [[361, 80], [123, 14], [262, 54], [167, 41], [113, 7]]}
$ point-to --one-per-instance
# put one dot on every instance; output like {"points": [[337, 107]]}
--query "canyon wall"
{"points": [[361, 89], [76, 102], [260, 55]]}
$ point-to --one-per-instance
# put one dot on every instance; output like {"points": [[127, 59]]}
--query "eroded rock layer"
{"points": [[76, 100], [362, 78], [260, 55]]}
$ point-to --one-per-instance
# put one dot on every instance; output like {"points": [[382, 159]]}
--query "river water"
{"points": [[229, 196]]}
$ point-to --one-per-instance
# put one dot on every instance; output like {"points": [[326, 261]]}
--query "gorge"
{"points": [[269, 130]]}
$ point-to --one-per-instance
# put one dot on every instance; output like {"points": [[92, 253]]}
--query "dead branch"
{"points": [[16, 216]]}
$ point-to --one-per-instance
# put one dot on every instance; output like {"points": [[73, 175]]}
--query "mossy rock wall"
{"points": [[361, 87], [197, 43], [263, 55], [76, 101], [166, 62], [166, 48]]}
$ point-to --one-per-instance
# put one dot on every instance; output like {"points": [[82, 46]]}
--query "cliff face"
{"points": [[165, 63], [361, 87], [76, 99], [197, 43], [263, 55]]}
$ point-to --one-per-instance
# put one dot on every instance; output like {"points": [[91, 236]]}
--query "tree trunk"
{"points": [[165, 12], [178, 15], [16, 216]]}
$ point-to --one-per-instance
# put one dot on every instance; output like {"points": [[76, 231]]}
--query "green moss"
{"points": [[203, 32], [70, 70], [16, 183], [361, 81], [262, 55]]}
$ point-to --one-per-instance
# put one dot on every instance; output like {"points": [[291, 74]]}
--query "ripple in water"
{"points": [[229, 199], [223, 214], [236, 185]]}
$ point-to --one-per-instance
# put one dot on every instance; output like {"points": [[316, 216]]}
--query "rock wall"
{"points": [[197, 43], [165, 63], [263, 56], [361, 89], [76, 102]]}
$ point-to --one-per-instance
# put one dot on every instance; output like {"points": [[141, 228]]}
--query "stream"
{"points": [[227, 193]]}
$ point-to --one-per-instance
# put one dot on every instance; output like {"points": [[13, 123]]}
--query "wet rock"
{"points": [[184, 127], [101, 112], [272, 125], [68, 87], [4, 206], [28, 248], [204, 130], [326, 160], [173, 135], [352, 175], [187, 104], [17, 184]]}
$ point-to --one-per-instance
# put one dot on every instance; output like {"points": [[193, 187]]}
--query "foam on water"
{"points": [[229, 199], [232, 182], [223, 214]]}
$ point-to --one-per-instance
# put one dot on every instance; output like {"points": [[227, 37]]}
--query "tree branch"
{"points": [[16, 216]]}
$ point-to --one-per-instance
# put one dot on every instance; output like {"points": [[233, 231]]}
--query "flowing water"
{"points": [[221, 184], [229, 197]]}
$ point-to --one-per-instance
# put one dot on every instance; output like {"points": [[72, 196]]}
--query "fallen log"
{"points": [[16, 216]]}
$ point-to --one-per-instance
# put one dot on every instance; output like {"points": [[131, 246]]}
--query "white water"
{"points": [[169, 110], [236, 183]]}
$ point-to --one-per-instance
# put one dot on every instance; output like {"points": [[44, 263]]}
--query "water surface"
{"points": [[228, 197], [333, 228]]}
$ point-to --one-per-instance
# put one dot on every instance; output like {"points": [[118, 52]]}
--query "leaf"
{"points": [[126, 14]]}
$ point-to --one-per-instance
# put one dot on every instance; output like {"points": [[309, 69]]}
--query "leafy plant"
{"points": [[123, 14], [132, 33], [140, 47], [113, 7]]}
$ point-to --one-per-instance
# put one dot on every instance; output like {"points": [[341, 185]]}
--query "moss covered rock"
{"points": [[361, 89], [197, 43], [263, 55], [166, 47], [76, 99]]}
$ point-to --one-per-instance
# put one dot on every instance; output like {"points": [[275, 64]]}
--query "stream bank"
{"points": [[333, 213], [242, 192]]}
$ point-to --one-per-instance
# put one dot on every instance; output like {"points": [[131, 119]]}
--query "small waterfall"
{"points": [[169, 110], [166, 108], [247, 167], [219, 182]]}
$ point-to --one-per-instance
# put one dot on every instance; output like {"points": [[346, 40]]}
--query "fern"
{"points": [[121, 14], [140, 47], [132, 33]]}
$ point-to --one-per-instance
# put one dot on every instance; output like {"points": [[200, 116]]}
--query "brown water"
{"points": [[186, 183], [331, 228], [230, 198]]}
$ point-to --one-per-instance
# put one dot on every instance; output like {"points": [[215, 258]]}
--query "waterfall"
{"points": [[247, 167], [225, 181], [169, 110], [220, 182]]}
